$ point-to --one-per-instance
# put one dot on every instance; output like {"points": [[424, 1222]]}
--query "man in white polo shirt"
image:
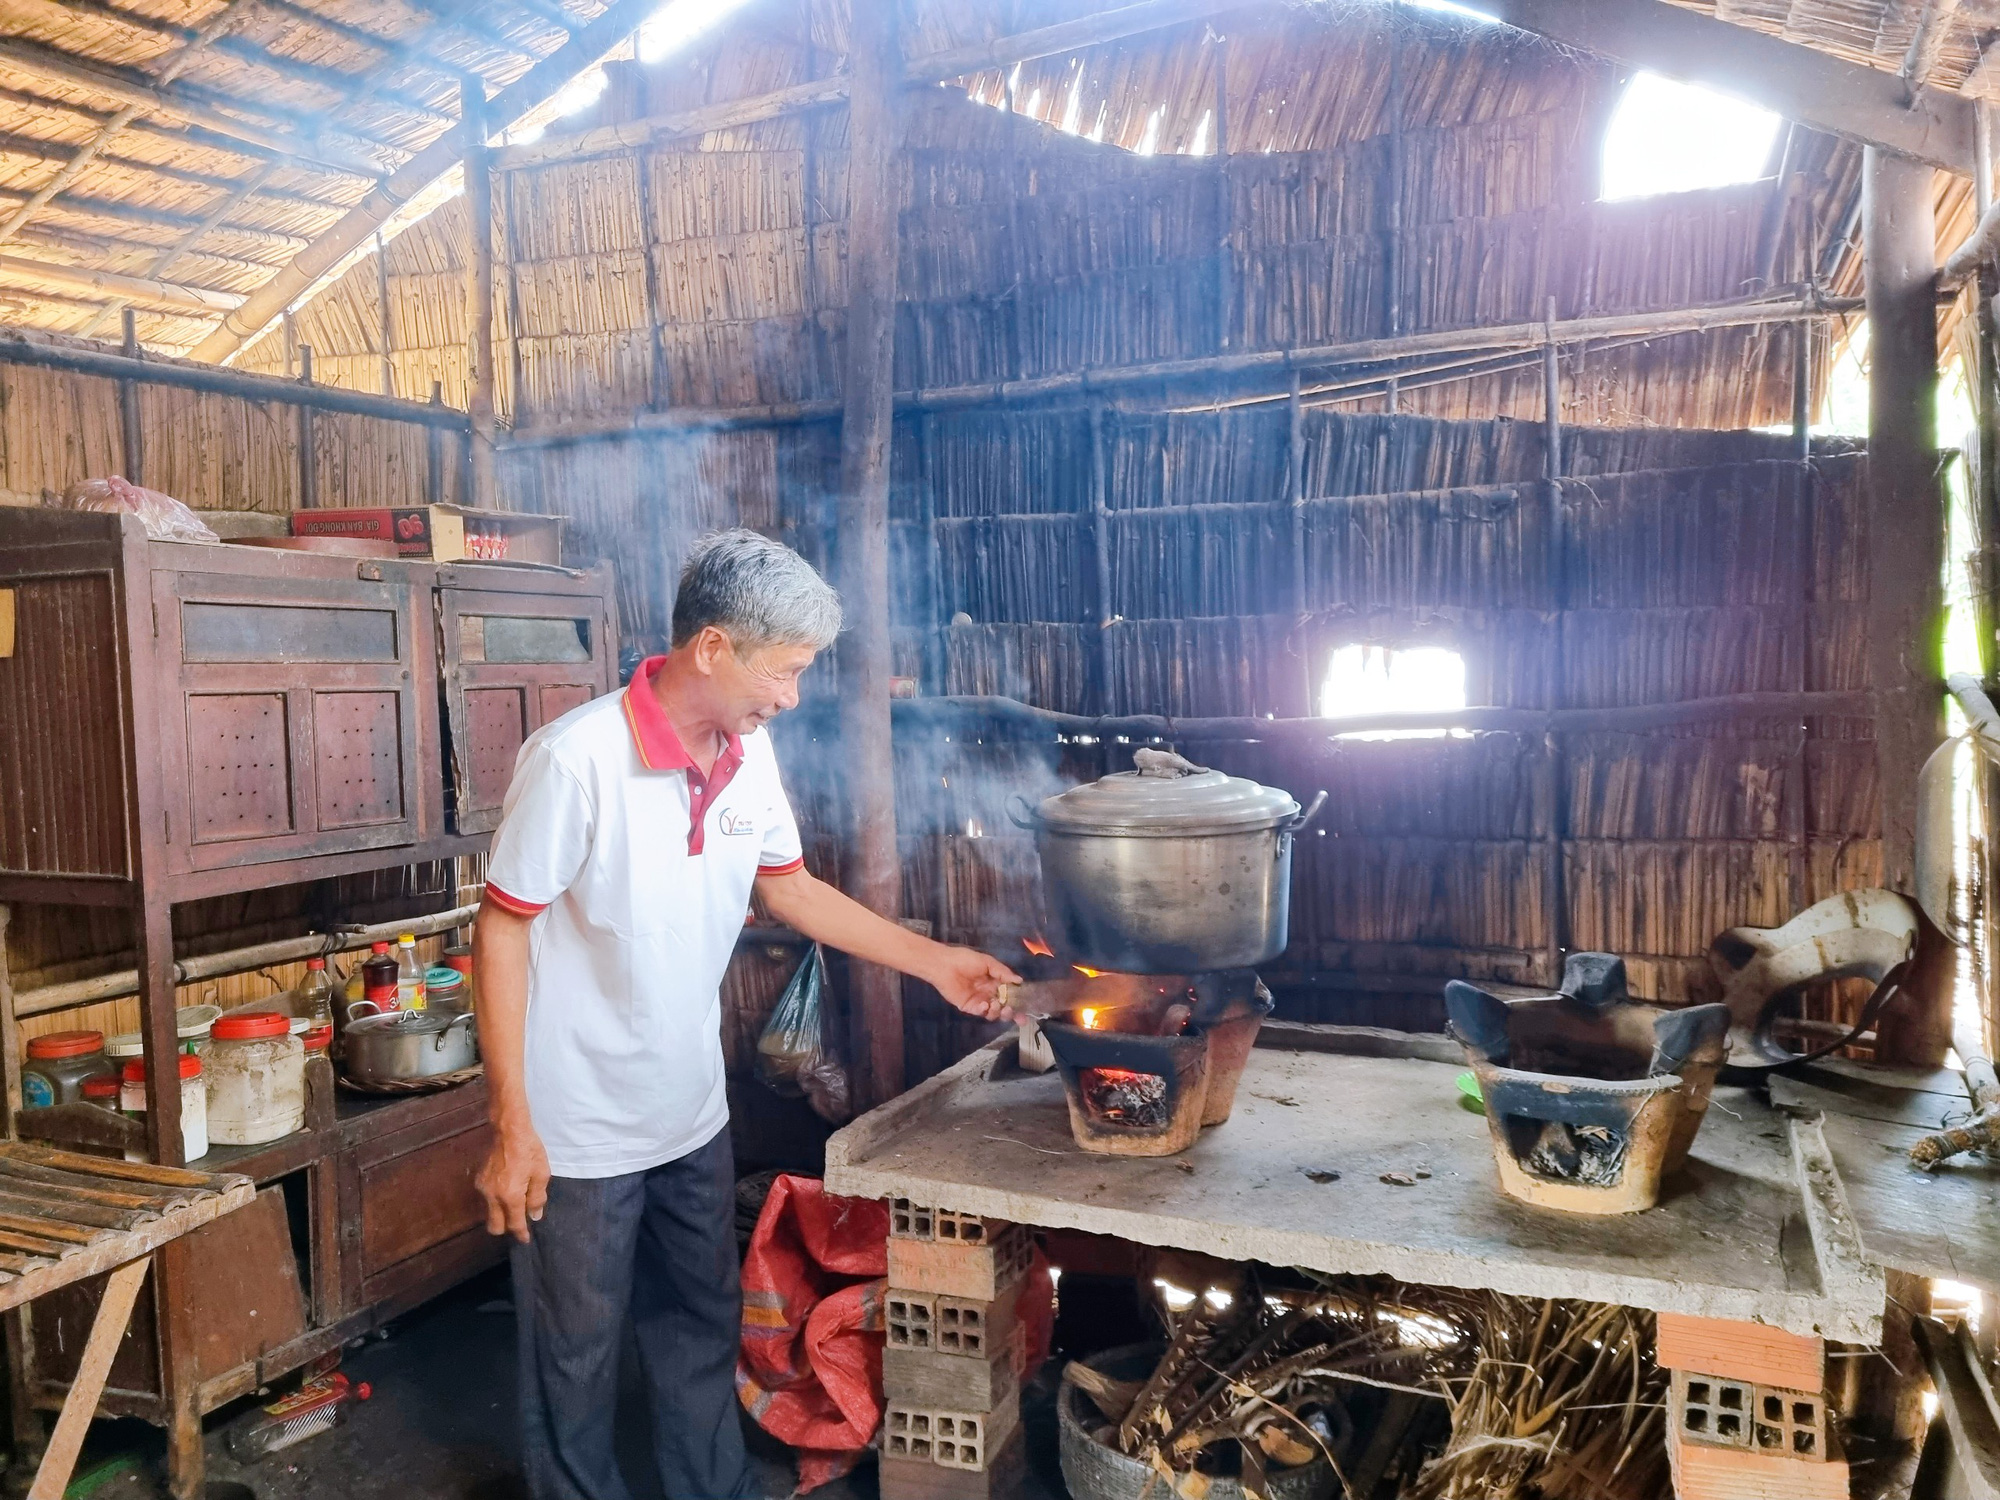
{"points": [[634, 833]]}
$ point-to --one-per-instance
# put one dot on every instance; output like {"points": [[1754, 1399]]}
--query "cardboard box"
{"points": [[442, 533]]}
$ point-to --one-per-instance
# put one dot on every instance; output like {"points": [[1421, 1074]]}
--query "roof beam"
{"points": [[177, 295], [1933, 26], [1066, 36], [35, 148], [534, 88], [1842, 98], [59, 67], [243, 50], [155, 218], [1105, 26]]}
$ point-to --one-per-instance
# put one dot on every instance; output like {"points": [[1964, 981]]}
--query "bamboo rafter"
{"points": [[75, 72]]}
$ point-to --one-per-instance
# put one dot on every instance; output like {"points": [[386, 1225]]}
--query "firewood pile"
{"points": [[1409, 1392]]}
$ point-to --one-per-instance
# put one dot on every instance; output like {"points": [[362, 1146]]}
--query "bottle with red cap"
{"points": [[378, 978]]}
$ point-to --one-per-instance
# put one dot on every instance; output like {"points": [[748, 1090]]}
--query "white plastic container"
{"points": [[194, 1103], [256, 1079]]}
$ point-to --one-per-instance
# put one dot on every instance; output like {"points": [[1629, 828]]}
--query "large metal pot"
{"points": [[399, 1046], [1168, 869]]}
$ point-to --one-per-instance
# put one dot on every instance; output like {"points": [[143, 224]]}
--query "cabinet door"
{"points": [[512, 663], [293, 730], [421, 1216]]}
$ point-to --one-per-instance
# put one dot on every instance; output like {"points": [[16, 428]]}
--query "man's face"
{"points": [[753, 687]]}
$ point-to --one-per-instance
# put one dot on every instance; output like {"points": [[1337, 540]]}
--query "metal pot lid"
{"points": [[407, 1022], [1167, 795]]}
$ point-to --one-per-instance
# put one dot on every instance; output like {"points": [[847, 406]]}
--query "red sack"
{"points": [[810, 1370]]}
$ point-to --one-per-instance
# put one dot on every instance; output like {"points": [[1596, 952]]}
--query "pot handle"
{"points": [[354, 1005], [1030, 823], [437, 1042], [1304, 820]]}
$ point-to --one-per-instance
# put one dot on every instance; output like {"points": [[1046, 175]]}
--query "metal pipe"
{"points": [[995, 713], [125, 982], [18, 347], [1269, 362]]}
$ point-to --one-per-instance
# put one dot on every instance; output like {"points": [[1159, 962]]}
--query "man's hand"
{"points": [[970, 981], [515, 1181]]}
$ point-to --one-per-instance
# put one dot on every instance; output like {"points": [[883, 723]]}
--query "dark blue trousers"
{"points": [[652, 1255]]}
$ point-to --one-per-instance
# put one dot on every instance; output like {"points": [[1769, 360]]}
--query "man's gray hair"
{"points": [[755, 591]]}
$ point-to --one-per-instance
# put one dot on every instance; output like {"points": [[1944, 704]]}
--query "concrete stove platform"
{"points": [[1756, 1229]]}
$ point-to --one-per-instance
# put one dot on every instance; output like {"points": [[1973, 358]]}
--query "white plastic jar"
{"points": [[256, 1079], [194, 1103]]}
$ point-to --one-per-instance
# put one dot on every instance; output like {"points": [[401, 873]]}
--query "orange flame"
{"points": [[1087, 1018], [1088, 973], [1037, 946]]}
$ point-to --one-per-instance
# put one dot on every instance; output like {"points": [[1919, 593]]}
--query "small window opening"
{"points": [[1669, 137], [1389, 680]]}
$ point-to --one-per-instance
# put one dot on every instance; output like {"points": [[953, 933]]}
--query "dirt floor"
{"points": [[441, 1426]]}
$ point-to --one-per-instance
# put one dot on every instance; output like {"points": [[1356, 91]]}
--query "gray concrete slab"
{"points": [[1746, 1232]]}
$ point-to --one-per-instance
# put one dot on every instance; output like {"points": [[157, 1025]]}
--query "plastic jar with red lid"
{"points": [[256, 1079], [58, 1064], [194, 1101]]}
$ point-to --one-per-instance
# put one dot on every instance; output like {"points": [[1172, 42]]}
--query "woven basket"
{"points": [[415, 1085]]}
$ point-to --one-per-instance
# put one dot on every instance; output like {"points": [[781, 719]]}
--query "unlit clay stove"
{"points": [[1591, 1097]]}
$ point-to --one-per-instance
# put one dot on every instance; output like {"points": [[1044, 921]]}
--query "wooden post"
{"points": [[1100, 546], [1906, 501], [308, 442], [434, 453], [128, 411], [1905, 540], [657, 394], [1798, 804], [1017, 290], [1295, 492], [1392, 278], [1224, 239], [1555, 888], [510, 234], [386, 318], [479, 293], [871, 869]]}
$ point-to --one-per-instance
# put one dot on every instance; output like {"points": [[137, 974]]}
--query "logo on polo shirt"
{"points": [[734, 824]]}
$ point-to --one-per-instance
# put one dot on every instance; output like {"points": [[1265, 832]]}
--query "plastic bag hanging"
{"points": [[793, 1057]]}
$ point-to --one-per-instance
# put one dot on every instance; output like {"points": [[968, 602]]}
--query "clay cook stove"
{"points": [[1591, 1095], [1148, 1059]]}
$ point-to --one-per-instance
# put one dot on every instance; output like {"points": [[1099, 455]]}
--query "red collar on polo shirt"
{"points": [[660, 749]]}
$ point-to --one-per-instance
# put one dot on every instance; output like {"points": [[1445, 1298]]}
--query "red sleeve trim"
{"points": [[514, 904], [790, 867]]}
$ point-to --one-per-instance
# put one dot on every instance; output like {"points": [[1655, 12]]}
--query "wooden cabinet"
{"points": [[520, 649], [230, 717]]}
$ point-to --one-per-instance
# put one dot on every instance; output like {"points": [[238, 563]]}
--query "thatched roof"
{"points": [[199, 146]]}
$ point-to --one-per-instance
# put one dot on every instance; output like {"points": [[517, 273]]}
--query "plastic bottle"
{"points": [[378, 977], [409, 974], [312, 1408], [314, 997]]}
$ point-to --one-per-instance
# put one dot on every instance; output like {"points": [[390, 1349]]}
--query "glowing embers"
{"points": [[1132, 1093], [1121, 1096]]}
